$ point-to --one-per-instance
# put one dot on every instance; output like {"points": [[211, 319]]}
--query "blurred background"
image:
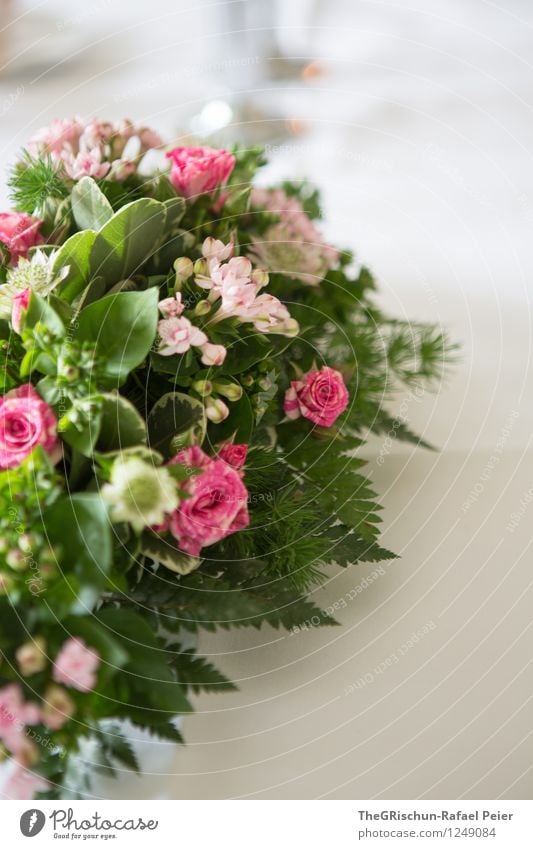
{"points": [[415, 119]]}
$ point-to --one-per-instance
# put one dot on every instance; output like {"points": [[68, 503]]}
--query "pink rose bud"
{"points": [[76, 665], [19, 232], [234, 454], [199, 170], [25, 421], [320, 396], [18, 308]]}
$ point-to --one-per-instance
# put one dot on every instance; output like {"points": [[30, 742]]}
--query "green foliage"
{"points": [[34, 181], [123, 328]]}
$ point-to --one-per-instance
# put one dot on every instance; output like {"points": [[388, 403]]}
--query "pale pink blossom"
{"points": [[19, 232], [178, 335], [58, 134], [294, 246], [25, 421], [15, 715], [76, 665], [21, 784], [320, 396], [171, 307], [87, 163], [269, 315], [199, 170], [214, 249], [213, 355]]}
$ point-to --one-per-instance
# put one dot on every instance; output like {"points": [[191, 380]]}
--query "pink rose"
{"points": [[199, 170], [320, 396], [216, 508], [76, 665], [18, 307], [15, 714], [21, 784], [19, 232], [234, 455], [25, 421]]}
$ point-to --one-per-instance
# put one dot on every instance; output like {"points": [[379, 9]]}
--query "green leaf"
{"points": [[165, 551], [90, 207], [127, 240], [196, 673], [79, 531], [175, 210], [40, 312], [240, 422], [122, 426], [175, 420], [123, 326], [75, 255]]}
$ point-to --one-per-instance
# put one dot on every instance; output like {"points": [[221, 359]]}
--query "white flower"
{"points": [[139, 493], [35, 273]]}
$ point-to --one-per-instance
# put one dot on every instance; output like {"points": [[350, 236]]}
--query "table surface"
{"points": [[419, 131]]}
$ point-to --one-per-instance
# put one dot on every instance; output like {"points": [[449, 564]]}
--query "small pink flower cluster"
{"points": [[25, 422], [178, 334], [76, 666], [19, 232], [320, 396], [294, 247], [197, 171], [95, 149], [233, 280], [217, 499]]}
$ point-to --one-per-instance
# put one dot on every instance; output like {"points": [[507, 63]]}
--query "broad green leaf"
{"points": [[175, 210], [74, 255], [79, 530], [123, 326], [40, 311], [127, 240], [174, 421], [122, 426], [90, 207]]}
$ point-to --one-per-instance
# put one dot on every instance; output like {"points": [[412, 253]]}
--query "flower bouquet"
{"points": [[189, 373]]}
